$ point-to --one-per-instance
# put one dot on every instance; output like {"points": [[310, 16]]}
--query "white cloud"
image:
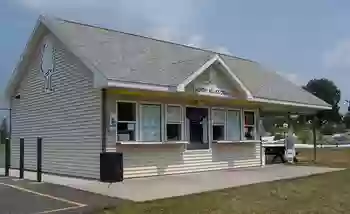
{"points": [[222, 49], [175, 14], [195, 40], [291, 77], [167, 20], [170, 34], [164, 33]]}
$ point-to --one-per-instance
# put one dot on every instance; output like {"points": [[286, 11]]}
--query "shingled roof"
{"points": [[133, 58]]}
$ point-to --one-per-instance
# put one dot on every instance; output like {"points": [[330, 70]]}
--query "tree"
{"points": [[326, 90]]}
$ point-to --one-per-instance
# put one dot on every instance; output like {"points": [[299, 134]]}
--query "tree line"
{"points": [[326, 90], [327, 121]]}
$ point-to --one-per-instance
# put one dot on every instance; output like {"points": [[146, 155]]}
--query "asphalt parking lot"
{"points": [[27, 197]]}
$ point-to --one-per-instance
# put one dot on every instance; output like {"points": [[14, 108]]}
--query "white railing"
{"points": [[309, 146]]}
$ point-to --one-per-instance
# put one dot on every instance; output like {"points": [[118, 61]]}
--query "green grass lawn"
{"points": [[332, 157], [328, 193]]}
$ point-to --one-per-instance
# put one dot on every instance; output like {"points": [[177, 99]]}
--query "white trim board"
{"points": [[188, 80], [143, 86]]}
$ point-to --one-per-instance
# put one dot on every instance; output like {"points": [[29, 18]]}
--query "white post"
{"points": [[290, 142]]}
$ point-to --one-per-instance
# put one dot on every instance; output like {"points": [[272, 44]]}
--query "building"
{"points": [[169, 108]]}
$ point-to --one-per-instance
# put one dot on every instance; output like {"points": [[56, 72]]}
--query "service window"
{"points": [[219, 124], [174, 123], [150, 122], [234, 130], [126, 121], [249, 125]]}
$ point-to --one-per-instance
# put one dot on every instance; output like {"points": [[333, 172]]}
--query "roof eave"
{"points": [[141, 86], [290, 103]]}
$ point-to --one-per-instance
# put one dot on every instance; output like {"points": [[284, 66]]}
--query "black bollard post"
{"points": [[7, 157], [21, 158], [39, 159]]}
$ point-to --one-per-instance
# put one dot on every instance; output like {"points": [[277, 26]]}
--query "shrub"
{"points": [[340, 128], [279, 136], [328, 129], [319, 136], [304, 136]]}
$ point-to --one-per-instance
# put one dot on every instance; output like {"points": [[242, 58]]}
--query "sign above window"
{"points": [[211, 89], [212, 84]]}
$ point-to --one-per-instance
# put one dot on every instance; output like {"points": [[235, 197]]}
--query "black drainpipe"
{"points": [[104, 120]]}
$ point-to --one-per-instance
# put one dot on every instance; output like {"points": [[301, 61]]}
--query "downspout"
{"points": [[104, 120]]}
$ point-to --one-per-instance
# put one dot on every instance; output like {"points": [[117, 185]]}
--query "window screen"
{"points": [[150, 122], [233, 125]]}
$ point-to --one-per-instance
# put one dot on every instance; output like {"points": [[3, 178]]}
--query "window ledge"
{"points": [[239, 141], [150, 143], [176, 142]]}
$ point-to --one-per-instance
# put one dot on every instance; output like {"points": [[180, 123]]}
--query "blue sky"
{"points": [[299, 39]]}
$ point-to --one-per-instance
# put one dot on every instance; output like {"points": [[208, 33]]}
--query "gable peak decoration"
{"points": [[47, 64]]}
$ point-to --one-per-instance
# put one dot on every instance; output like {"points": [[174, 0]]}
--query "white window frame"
{"points": [[244, 125], [161, 120], [122, 121], [182, 122], [213, 124]]}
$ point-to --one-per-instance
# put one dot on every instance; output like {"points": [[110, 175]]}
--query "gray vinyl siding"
{"points": [[146, 160], [68, 119]]}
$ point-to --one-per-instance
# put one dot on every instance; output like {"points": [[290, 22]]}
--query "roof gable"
{"points": [[217, 61], [215, 81], [130, 58]]}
